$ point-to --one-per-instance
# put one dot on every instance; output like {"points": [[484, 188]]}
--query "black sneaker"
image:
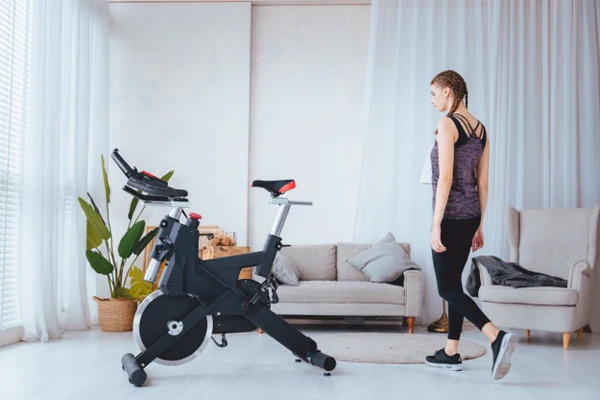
{"points": [[502, 349], [442, 360]]}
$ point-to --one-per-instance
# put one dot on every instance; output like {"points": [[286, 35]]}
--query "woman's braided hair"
{"points": [[454, 81]]}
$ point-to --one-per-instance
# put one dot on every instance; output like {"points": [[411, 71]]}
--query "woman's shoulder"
{"points": [[446, 123], [447, 130]]}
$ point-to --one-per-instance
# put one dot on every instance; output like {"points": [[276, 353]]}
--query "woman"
{"points": [[459, 163]]}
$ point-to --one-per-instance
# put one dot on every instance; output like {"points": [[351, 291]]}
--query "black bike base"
{"points": [[137, 375], [303, 347]]}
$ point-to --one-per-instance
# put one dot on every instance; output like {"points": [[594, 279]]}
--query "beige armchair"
{"points": [[558, 242]]}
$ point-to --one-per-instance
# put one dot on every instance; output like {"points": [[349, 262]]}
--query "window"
{"points": [[15, 54]]}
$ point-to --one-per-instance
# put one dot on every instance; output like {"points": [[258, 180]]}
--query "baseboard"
{"points": [[10, 336]]}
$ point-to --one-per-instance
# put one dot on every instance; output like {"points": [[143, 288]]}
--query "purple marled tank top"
{"points": [[463, 200]]}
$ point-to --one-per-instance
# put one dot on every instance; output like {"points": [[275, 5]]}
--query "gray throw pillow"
{"points": [[383, 262], [389, 237], [285, 271]]}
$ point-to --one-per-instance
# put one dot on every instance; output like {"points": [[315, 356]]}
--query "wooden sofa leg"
{"points": [[527, 334], [410, 321], [260, 330], [566, 338], [580, 334]]}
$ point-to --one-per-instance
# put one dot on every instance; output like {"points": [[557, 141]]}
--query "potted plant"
{"points": [[125, 279]]}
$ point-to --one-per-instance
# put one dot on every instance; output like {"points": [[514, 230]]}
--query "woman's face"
{"points": [[439, 97]]}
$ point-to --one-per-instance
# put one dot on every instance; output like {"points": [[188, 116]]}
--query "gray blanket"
{"points": [[508, 274]]}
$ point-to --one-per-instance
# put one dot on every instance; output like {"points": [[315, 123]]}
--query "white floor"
{"points": [[86, 365]]}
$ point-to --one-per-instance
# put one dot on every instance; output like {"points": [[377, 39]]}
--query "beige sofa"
{"points": [[330, 286]]}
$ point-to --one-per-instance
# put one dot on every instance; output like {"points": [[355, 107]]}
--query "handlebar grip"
{"points": [[322, 360], [127, 170]]}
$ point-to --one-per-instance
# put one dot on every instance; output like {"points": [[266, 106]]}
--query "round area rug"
{"points": [[390, 348]]}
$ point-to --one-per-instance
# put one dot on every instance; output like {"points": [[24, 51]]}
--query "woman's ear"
{"points": [[446, 92]]}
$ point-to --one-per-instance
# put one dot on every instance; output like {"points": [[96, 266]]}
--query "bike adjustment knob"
{"points": [[195, 216]]}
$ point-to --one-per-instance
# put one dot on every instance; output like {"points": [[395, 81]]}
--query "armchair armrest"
{"points": [[579, 271], [580, 279], [484, 275], [413, 292]]}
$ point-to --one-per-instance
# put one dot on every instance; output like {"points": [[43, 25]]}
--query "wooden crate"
{"points": [[226, 251]]}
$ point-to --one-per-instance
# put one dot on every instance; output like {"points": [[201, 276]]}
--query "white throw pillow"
{"points": [[285, 271], [383, 262]]}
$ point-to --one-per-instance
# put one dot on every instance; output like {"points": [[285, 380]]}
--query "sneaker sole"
{"points": [[451, 367], [509, 343]]}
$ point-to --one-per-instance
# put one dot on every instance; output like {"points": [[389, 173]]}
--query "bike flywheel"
{"points": [[160, 314]]}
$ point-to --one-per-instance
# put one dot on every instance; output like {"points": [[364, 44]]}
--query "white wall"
{"points": [[185, 71], [308, 70], [179, 99]]}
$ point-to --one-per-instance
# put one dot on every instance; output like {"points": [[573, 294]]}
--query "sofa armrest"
{"points": [[413, 292]]}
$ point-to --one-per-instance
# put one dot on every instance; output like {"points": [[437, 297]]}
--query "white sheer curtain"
{"points": [[68, 132], [532, 72]]}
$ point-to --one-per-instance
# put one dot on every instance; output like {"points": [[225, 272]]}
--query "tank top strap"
{"points": [[483, 135], [462, 135]]}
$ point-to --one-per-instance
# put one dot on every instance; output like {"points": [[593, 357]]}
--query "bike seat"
{"points": [[276, 188]]}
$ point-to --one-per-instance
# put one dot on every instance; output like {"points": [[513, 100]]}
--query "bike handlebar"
{"points": [[139, 183]]}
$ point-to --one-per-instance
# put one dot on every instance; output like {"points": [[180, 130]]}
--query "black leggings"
{"points": [[457, 236]]}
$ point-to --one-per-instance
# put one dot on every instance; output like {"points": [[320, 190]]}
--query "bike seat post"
{"points": [[280, 219], [284, 208]]}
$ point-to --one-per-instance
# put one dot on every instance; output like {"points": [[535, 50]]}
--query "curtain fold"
{"points": [[68, 132], [532, 72]]}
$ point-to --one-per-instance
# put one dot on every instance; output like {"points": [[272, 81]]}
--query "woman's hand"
{"points": [[436, 239], [478, 239]]}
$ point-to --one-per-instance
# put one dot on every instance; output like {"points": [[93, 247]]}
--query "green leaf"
{"points": [[97, 230], [132, 207], [105, 177], [130, 239], [93, 238], [96, 207], [167, 176], [141, 245], [98, 262]]}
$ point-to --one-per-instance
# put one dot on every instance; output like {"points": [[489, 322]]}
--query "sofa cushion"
{"points": [[345, 251], [341, 292], [382, 262], [541, 296], [314, 262]]}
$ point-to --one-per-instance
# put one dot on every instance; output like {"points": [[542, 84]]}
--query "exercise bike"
{"points": [[198, 298]]}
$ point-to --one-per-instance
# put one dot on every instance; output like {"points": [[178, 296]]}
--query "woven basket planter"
{"points": [[116, 315]]}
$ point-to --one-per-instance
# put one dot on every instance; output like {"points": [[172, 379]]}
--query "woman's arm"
{"points": [[483, 167], [446, 138]]}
